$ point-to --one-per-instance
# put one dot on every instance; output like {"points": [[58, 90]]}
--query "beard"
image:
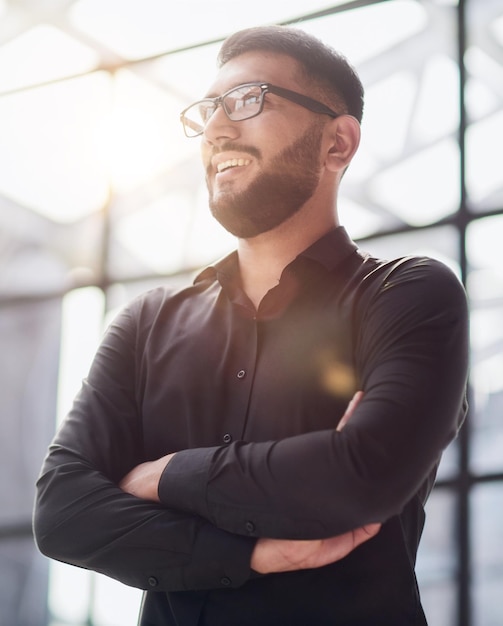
{"points": [[273, 196]]}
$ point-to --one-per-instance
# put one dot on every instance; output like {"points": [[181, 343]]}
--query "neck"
{"points": [[262, 259]]}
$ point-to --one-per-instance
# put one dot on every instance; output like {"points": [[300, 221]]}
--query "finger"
{"points": [[338, 547], [350, 409], [363, 534]]}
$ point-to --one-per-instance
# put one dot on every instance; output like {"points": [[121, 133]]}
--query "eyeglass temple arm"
{"points": [[305, 101]]}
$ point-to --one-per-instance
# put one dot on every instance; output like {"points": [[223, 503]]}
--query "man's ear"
{"points": [[344, 136]]}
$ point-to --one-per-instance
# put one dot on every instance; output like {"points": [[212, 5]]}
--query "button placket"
{"points": [[241, 374]]}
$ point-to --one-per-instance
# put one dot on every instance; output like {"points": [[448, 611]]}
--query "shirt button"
{"points": [[227, 438], [225, 581], [250, 527], [152, 581], [241, 374]]}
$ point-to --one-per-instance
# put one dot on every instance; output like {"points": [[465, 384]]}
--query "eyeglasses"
{"points": [[241, 103]]}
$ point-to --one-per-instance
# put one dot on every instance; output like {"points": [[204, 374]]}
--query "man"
{"points": [[257, 448]]}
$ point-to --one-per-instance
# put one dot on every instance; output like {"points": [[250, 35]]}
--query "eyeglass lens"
{"points": [[239, 104]]}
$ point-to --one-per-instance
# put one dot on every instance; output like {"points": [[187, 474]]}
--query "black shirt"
{"points": [[251, 399]]}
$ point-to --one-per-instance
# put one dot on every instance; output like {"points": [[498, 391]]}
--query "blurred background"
{"points": [[102, 197]]}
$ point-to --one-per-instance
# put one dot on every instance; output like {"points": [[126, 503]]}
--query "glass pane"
{"points": [[69, 594], [484, 101], [487, 553], [48, 152], [58, 55], [407, 168], [104, 153], [39, 256], [24, 580], [436, 563], [173, 231], [114, 603], [441, 243], [485, 287], [149, 27], [81, 332], [29, 335]]}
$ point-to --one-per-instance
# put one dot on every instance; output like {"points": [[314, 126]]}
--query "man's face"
{"points": [[261, 171]]}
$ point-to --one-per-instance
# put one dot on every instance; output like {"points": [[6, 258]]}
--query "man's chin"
{"points": [[237, 225]]}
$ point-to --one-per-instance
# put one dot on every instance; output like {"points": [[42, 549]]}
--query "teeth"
{"points": [[232, 163]]}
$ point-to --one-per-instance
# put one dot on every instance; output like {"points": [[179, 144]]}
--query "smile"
{"points": [[221, 167]]}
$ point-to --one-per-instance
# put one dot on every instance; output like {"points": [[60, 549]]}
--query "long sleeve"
{"points": [[409, 332], [82, 517]]}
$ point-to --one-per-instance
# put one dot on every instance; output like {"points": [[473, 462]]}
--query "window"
{"points": [[101, 197]]}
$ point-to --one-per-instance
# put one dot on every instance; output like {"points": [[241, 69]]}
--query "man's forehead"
{"points": [[256, 66]]}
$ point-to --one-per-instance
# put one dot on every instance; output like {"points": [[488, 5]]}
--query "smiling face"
{"points": [[261, 171]]}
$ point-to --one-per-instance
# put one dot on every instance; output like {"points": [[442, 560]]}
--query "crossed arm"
{"points": [[197, 534], [269, 555]]}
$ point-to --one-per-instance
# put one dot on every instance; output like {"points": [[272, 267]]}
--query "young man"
{"points": [[214, 456]]}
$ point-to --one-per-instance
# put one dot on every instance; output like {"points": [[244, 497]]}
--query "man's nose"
{"points": [[220, 126]]}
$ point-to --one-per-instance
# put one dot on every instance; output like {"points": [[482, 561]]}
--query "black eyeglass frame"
{"points": [[304, 101]]}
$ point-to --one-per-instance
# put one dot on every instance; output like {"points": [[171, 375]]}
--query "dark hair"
{"points": [[322, 66]]}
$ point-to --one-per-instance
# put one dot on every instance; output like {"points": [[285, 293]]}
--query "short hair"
{"points": [[327, 68]]}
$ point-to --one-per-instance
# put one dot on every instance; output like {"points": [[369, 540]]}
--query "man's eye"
{"points": [[246, 101], [250, 99]]}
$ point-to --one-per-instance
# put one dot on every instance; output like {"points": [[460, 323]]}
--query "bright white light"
{"points": [[437, 107], [115, 604], [387, 115], [208, 240], [483, 241], [48, 160], [423, 188], [358, 220], [188, 73], [483, 165], [140, 135], [497, 29], [57, 55], [485, 77], [486, 377], [136, 29], [81, 331], [364, 33], [486, 329], [69, 593], [157, 235]]}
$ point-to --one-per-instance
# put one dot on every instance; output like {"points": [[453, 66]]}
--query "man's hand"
{"points": [[284, 555], [143, 480]]}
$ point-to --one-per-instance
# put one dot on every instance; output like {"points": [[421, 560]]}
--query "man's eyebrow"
{"points": [[213, 94]]}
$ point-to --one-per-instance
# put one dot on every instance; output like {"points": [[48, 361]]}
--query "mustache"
{"points": [[230, 146]]}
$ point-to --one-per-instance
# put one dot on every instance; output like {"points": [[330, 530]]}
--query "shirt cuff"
{"points": [[184, 481], [220, 560]]}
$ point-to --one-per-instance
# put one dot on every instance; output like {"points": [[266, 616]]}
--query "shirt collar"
{"points": [[331, 249], [328, 251], [227, 266]]}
